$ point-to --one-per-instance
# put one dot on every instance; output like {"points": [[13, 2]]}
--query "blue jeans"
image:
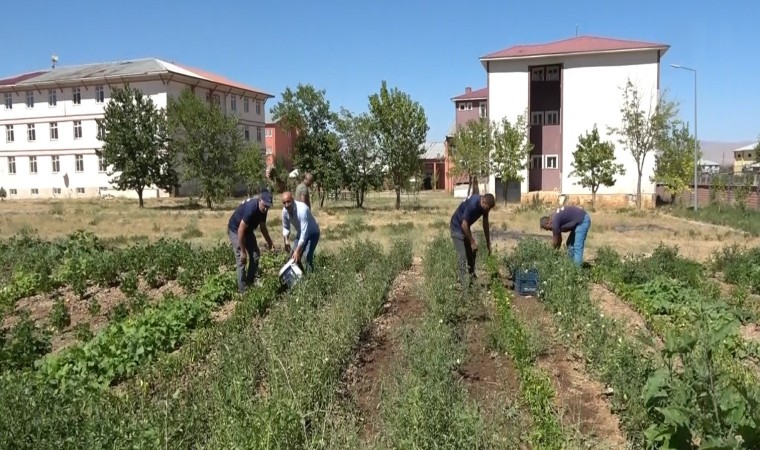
{"points": [[576, 242], [309, 246], [245, 277]]}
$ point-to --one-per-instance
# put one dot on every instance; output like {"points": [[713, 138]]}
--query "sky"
{"points": [[428, 49]]}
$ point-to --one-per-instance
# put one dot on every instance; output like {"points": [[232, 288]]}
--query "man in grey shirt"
{"points": [[302, 190]]}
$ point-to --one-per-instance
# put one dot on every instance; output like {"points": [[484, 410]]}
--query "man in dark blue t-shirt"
{"points": [[251, 213], [468, 212], [573, 219]]}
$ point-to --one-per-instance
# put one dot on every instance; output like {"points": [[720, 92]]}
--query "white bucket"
{"points": [[290, 273]]}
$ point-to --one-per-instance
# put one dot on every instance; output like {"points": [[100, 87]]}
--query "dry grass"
{"points": [[420, 218]]}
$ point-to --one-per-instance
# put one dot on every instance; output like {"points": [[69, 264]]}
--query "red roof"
{"points": [[220, 79], [19, 78], [480, 94], [580, 44]]}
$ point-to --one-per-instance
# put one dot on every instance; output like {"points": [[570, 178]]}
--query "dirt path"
{"points": [[581, 399], [613, 307], [373, 362]]}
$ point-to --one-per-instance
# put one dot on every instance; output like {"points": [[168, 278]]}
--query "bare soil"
{"points": [[612, 306], [581, 399], [374, 360]]}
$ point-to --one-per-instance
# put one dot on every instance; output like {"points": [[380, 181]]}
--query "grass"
{"points": [[743, 219]]}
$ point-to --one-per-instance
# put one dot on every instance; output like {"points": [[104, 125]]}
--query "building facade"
{"points": [[746, 158], [468, 106], [564, 88], [279, 144], [51, 121]]}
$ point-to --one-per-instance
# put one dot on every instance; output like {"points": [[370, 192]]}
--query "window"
{"points": [[9, 133], [76, 96], [269, 151], [552, 73], [30, 99], [535, 161], [258, 107], [100, 94], [14, 192], [101, 129], [460, 106], [268, 132], [537, 74], [102, 166], [247, 133], [79, 163], [31, 135], [537, 118], [258, 134], [551, 162], [552, 117], [35, 191], [56, 190], [77, 129], [32, 164], [233, 102], [216, 99], [11, 165], [56, 160], [8, 100], [483, 109], [468, 107], [53, 131], [80, 190], [52, 98], [246, 107]]}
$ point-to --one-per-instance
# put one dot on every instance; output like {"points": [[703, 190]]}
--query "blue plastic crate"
{"points": [[526, 281]]}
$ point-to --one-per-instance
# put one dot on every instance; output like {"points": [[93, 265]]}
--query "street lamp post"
{"points": [[696, 140]]}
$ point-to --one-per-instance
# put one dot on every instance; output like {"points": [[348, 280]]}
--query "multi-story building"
{"points": [[279, 145], [468, 106], [52, 119], [746, 158], [565, 88]]}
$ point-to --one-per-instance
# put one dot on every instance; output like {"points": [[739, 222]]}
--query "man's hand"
{"points": [[297, 255], [243, 256], [474, 245], [287, 248], [270, 245]]}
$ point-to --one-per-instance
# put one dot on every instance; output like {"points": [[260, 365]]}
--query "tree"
{"points": [[400, 127], [674, 164], [134, 143], [642, 131], [3, 194], [471, 150], [306, 111], [511, 147], [594, 163], [278, 174], [208, 142], [251, 168], [361, 154]]}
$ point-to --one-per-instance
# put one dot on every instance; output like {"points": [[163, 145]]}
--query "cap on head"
{"points": [[266, 197]]}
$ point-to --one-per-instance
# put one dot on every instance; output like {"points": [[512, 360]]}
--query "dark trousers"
{"points": [[466, 257], [245, 276]]}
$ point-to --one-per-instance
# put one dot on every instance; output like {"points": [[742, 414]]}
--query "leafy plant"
{"points": [[594, 163], [59, 315]]}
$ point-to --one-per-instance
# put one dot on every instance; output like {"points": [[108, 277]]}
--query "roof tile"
{"points": [[479, 94], [580, 44]]}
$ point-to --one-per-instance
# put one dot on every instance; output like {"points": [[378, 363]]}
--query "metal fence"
{"points": [[718, 187]]}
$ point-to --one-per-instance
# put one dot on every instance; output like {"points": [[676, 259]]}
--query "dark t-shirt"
{"points": [[567, 218], [249, 211], [469, 210]]}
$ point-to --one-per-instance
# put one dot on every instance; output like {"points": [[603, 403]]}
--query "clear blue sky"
{"points": [[429, 49]]}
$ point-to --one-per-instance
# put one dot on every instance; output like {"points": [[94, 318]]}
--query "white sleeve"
{"points": [[285, 223]]}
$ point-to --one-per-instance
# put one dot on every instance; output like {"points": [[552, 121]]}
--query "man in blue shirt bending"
{"points": [[468, 212], [251, 213], [573, 219], [307, 231]]}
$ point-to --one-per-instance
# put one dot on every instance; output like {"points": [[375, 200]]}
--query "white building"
{"points": [[50, 121], [566, 87]]}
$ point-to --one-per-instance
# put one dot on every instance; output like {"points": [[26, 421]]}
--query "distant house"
{"points": [[433, 166], [745, 158], [467, 106], [279, 144], [707, 166]]}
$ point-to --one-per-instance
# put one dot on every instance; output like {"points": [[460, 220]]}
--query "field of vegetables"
{"points": [[151, 346]]}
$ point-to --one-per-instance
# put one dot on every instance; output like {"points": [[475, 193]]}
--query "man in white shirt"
{"points": [[307, 230]]}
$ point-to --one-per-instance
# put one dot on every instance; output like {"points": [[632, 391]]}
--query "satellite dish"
{"points": [[66, 180], [53, 60]]}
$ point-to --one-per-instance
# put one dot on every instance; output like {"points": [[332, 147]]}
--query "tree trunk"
{"points": [[398, 197], [208, 202], [140, 196], [593, 199], [475, 185], [638, 191]]}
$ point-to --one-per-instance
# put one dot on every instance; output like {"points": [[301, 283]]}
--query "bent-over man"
{"points": [[299, 215], [468, 212], [251, 213], [573, 219]]}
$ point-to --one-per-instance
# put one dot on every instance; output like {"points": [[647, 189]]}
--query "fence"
{"points": [[717, 188]]}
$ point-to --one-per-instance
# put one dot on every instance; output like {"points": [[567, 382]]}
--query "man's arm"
{"points": [[242, 228], [487, 232], [265, 233], [304, 222], [304, 198], [557, 240], [468, 234], [286, 228]]}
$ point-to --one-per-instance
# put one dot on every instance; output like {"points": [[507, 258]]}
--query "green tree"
{"points": [[251, 168], [135, 143], [278, 175], [642, 131], [306, 112], [594, 163], [3, 194], [361, 154], [470, 151], [400, 126], [511, 147], [674, 164], [208, 143]]}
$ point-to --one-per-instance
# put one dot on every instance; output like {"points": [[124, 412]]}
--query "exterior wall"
{"points": [[279, 143], [591, 94], [436, 170], [465, 115], [744, 158]]}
